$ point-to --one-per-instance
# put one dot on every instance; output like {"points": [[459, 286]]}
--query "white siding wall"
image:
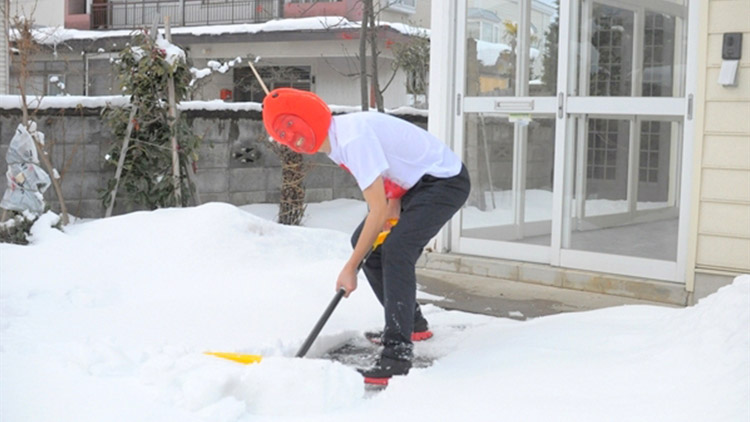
{"points": [[45, 12], [723, 141], [4, 59], [330, 84]]}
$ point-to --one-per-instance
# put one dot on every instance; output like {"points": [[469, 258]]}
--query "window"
{"points": [[484, 25], [247, 88], [56, 85], [406, 6], [102, 78], [76, 7], [658, 55], [648, 163], [602, 149], [611, 52]]}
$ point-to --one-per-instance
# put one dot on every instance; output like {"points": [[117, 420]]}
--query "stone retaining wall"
{"points": [[235, 166]]}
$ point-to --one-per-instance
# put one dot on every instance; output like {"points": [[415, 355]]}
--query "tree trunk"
{"points": [[374, 56], [363, 57], [292, 201]]}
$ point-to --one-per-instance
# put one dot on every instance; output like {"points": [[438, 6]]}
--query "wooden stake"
{"points": [[257, 76], [121, 161], [191, 177]]}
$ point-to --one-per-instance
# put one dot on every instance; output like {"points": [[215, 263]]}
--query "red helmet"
{"points": [[295, 118]]}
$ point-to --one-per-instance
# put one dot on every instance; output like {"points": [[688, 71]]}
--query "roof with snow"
{"points": [[317, 28]]}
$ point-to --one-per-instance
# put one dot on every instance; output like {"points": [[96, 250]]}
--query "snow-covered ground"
{"points": [[109, 320], [538, 207]]}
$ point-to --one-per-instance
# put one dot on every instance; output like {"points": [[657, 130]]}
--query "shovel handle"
{"points": [[337, 298], [321, 322]]}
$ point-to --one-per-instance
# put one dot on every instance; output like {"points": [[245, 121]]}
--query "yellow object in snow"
{"points": [[248, 359], [237, 357]]}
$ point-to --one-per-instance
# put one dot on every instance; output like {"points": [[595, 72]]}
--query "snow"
{"points": [[10, 102], [172, 53], [109, 320], [13, 102], [538, 207], [488, 52], [58, 35]]}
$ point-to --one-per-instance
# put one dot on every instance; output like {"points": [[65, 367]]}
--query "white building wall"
{"points": [[337, 89], [4, 58], [44, 12], [420, 16], [722, 187], [328, 66]]}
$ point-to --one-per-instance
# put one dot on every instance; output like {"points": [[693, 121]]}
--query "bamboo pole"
{"points": [[121, 160], [257, 76]]}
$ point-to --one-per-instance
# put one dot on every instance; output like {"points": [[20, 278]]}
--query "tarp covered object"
{"points": [[26, 180]]}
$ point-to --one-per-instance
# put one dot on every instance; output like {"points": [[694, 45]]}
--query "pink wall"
{"points": [[78, 20], [350, 9]]}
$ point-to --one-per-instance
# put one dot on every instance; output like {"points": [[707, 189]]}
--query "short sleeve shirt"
{"points": [[372, 144]]}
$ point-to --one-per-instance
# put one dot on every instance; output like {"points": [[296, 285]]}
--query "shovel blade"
{"points": [[237, 357]]}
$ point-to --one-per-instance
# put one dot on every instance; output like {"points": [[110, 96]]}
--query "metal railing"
{"points": [[128, 14]]}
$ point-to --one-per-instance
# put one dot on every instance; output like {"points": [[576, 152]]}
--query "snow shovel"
{"points": [[247, 359]]}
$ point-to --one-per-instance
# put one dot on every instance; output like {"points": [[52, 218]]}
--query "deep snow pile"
{"points": [[108, 321]]}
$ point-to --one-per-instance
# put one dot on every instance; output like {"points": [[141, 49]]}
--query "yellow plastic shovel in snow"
{"points": [[237, 357], [248, 359]]}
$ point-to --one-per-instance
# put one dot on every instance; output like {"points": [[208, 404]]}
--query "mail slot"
{"points": [[517, 105]]}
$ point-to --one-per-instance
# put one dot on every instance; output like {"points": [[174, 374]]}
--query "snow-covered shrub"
{"points": [[144, 69]]}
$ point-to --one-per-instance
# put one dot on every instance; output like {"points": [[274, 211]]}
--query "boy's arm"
{"points": [[393, 212], [376, 218]]}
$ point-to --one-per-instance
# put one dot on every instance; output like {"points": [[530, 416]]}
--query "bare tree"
{"points": [[363, 60], [374, 53], [26, 47]]}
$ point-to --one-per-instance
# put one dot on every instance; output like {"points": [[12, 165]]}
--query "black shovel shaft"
{"points": [[321, 322], [334, 302]]}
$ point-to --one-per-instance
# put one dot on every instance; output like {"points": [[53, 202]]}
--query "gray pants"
{"points": [[390, 269]]}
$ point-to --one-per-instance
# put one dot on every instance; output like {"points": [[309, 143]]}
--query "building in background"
{"points": [[308, 44], [45, 12], [605, 154], [4, 57]]}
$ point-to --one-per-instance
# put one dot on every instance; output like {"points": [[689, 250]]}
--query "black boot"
{"points": [[421, 331], [386, 368]]}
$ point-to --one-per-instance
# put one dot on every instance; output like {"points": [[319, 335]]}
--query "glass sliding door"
{"points": [[509, 79], [624, 198], [571, 116], [625, 137], [511, 170]]}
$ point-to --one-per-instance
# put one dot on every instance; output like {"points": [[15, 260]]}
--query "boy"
{"points": [[405, 173]]}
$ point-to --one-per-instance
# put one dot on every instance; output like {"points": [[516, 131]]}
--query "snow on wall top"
{"points": [[56, 35], [13, 102]]}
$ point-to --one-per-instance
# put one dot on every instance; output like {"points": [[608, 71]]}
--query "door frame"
{"points": [[564, 107]]}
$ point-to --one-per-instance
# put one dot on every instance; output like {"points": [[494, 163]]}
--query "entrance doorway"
{"points": [[572, 124]]}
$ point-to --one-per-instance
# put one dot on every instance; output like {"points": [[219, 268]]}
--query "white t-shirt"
{"points": [[371, 144]]}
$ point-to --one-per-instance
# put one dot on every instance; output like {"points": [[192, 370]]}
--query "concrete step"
{"points": [[510, 299], [651, 291]]}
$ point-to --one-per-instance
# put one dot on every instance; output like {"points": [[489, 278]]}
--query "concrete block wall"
{"points": [[236, 163]]}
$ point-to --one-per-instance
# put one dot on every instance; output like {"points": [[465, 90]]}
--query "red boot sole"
{"points": [[421, 336], [376, 381]]}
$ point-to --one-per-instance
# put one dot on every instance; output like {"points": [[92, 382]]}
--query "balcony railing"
{"points": [[127, 14]]}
